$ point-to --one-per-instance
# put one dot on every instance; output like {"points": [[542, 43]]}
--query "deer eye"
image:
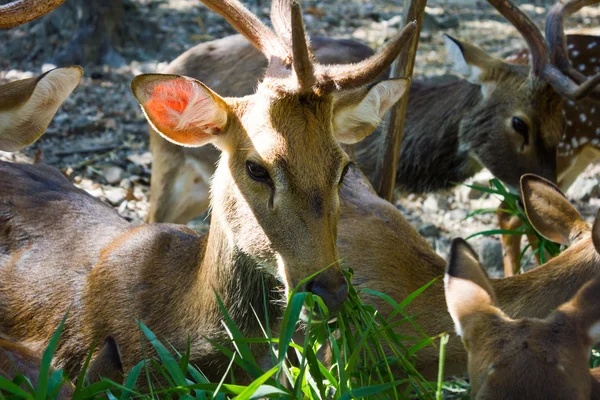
{"points": [[521, 128], [344, 172], [257, 172]]}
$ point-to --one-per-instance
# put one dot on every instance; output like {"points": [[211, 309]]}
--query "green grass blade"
{"points": [[249, 392], [45, 366], [288, 324], [165, 356]]}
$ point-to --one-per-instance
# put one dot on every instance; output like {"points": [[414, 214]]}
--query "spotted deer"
{"points": [[499, 112], [525, 358], [580, 142], [275, 209]]}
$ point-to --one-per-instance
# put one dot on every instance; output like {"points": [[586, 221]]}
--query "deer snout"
{"points": [[333, 290]]}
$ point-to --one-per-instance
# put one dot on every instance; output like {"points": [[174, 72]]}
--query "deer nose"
{"points": [[333, 292]]}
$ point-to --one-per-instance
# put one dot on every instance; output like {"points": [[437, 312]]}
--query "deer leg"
{"points": [[511, 244], [567, 175]]}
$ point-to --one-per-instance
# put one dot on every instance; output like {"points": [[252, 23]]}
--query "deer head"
{"points": [[274, 195], [519, 116], [528, 357]]}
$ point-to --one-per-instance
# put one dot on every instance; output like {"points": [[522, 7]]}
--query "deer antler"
{"points": [[348, 76], [22, 11], [542, 66], [290, 46], [250, 26], [557, 45]]}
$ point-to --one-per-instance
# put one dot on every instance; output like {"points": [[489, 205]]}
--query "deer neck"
{"points": [[240, 281]]}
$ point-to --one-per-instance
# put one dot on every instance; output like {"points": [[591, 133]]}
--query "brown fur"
{"points": [[529, 358]]}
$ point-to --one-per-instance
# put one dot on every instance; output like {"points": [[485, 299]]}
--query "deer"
{"points": [[275, 210], [580, 143], [502, 112], [166, 275], [529, 358]]}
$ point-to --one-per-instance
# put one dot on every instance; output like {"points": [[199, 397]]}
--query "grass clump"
{"points": [[368, 360]]}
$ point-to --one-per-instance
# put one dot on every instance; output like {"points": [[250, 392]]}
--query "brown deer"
{"points": [[525, 358], [499, 112], [275, 209]]}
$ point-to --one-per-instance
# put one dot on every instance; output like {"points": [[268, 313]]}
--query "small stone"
{"points": [[430, 204], [429, 230], [113, 175], [490, 253], [134, 169], [114, 196]]}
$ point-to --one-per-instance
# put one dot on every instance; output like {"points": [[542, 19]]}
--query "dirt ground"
{"points": [[99, 137]]}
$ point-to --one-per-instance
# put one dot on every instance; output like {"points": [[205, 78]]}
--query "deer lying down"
{"points": [[526, 358], [28, 105], [388, 255], [274, 221], [15, 359]]}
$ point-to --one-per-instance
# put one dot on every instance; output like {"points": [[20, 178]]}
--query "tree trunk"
{"points": [[98, 28]]}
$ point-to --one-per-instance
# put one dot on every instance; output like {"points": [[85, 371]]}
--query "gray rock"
{"points": [[114, 196], [113, 174], [429, 230], [490, 254]]}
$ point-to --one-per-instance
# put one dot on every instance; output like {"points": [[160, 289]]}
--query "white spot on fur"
{"points": [[570, 123], [570, 102], [592, 45], [583, 141], [597, 131], [582, 117], [593, 110], [570, 46], [575, 53], [595, 142], [574, 143], [560, 367], [581, 67]]}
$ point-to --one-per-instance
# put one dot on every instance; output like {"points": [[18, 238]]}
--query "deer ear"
{"points": [[549, 211], [107, 363], [583, 310], [467, 287], [471, 62], [183, 110], [358, 112], [27, 106]]}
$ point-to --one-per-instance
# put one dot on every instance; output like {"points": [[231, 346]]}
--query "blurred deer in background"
{"points": [[579, 55], [527, 358], [28, 105], [275, 209], [500, 112]]}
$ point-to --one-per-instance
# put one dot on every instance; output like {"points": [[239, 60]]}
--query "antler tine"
{"points": [[529, 32], [303, 65], [248, 25], [22, 11], [353, 75], [557, 45]]}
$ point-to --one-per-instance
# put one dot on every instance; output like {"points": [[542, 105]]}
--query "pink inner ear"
{"points": [[169, 101]]}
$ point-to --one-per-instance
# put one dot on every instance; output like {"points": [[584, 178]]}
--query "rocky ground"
{"points": [[99, 137]]}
